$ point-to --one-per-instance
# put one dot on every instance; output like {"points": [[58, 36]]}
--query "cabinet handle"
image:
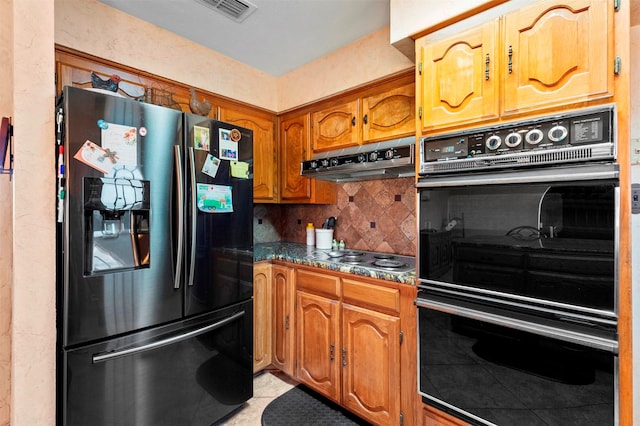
{"points": [[286, 322], [365, 119], [510, 59], [487, 61], [332, 348], [353, 121], [344, 357]]}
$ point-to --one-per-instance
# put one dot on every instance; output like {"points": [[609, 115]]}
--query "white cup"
{"points": [[324, 238]]}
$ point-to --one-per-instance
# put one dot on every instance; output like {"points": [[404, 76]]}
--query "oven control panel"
{"points": [[520, 143]]}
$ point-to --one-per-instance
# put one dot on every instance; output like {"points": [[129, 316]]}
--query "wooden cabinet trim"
{"points": [[318, 283], [377, 297]]}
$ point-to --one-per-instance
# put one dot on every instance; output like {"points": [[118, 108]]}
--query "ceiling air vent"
{"points": [[233, 9]]}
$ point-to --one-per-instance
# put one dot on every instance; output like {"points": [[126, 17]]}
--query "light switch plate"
{"points": [[635, 150], [635, 198]]}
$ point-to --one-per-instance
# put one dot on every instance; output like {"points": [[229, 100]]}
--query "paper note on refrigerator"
{"points": [[214, 198], [228, 143], [240, 169], [210, 166], [103, 160], [122, 141]]}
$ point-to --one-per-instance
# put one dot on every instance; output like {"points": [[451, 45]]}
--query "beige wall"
{"points": [[6, 205], [365, 60], [92, 27], [27, 232]]}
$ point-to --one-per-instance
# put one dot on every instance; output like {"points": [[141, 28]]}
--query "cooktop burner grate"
{"points": [[383, 261]]}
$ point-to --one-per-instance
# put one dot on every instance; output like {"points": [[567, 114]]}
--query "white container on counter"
{"points": [[324, 238]]}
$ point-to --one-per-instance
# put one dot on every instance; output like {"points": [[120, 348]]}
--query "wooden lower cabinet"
{"points": [[262, 315], [371, 364], [433, 417], [318, 344], [283, 288], [349, 338]]}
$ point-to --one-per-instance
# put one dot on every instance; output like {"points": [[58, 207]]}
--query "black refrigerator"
{"points": [[155, 263]]}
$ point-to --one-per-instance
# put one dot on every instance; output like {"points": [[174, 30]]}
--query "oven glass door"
{"points": [[545, 244], [490, 374]]}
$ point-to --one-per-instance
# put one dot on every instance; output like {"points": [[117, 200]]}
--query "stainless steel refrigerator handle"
{"points": [[194, 215], [160, 343], [180, 208], [517, 324]]}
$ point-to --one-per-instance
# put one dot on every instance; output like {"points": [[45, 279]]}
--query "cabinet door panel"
{"points": [[318, 353], [283, 318], [557, 53], [265, 154], [459, 78], [390, 114], [294, 142], [371, 376], [336, 127], [262, 316]]}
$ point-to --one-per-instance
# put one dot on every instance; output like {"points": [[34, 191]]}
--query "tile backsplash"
{"points": [[377, 215]]}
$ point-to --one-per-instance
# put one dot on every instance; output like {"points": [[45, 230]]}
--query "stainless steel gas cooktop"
{"points": [[382, 261]]}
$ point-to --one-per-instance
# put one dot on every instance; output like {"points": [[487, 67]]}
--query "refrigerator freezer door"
{"points": [[219, 266], [190, 373], [119, 253]]}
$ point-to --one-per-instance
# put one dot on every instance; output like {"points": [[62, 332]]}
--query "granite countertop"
{"points": [[302, 254]]}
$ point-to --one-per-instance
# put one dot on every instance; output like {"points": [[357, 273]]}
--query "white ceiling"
{"points": [[279, 36]]}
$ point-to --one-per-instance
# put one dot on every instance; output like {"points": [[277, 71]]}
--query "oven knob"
{"points": [[313, 164], [534, 137], [558, 133], [493, 142], [362, 158], [333, 162], [513, 139], [324, 163], [389, 154], [373, 156]]}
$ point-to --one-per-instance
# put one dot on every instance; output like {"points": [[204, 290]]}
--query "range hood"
{"points": [[382, 160]]}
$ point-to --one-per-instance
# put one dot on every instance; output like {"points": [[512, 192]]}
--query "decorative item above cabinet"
{"points": [[547, 55]]}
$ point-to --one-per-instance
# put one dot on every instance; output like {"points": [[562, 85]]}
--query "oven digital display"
{"points": [[587, 130]]}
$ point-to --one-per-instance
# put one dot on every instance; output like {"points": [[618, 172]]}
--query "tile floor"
{"points": [[267, 386]]}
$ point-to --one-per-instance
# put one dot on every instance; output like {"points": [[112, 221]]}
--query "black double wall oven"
{"points": [[517, 271]]}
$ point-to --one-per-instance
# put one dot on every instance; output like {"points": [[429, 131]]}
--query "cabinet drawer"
{"points": [[365, 294], [318, 283]]}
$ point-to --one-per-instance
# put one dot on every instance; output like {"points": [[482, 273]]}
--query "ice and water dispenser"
{"points": [[116, 216]]}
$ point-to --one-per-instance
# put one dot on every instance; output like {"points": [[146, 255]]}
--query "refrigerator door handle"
{"points": [[108, 356], [194, 215], [180, 209]]}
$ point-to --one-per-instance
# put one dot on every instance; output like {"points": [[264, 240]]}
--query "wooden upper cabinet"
{"points": [[337, 126], [265, 153], [389, 114], [294, 148], [459, 78], [557, 53], [294, 145], [380, 111], [549, 54]]}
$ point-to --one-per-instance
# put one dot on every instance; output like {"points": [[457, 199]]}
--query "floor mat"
{"points": [[302, 406]]}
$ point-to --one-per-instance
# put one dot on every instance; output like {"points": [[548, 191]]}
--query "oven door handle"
{"points": [[517, 324], [540, 175]]}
